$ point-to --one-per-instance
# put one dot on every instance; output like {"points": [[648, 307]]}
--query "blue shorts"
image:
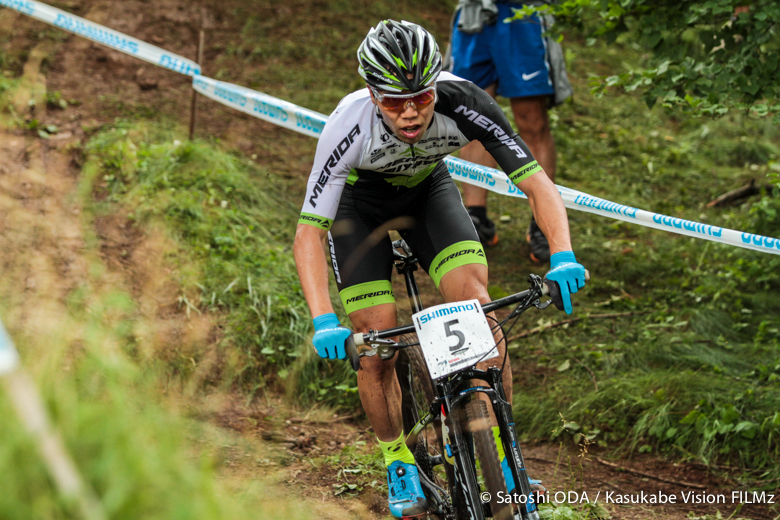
{"points": [[512, 54]]}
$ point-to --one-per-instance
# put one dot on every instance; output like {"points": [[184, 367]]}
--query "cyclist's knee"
{"points": [[467, 282], [376, 317]]}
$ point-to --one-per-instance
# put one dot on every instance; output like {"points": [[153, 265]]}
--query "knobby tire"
{"points": [[485, 447]]}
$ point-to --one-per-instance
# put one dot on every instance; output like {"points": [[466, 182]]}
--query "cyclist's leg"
{"points": [[378, 386], [361, 254], [380, 394], [465, 283], [362, 262]]}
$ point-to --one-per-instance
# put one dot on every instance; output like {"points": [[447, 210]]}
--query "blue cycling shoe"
{"points": [[406, 496], [537, 489]]}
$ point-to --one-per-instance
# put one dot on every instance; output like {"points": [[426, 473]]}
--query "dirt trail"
{"points": [[40, 233]]}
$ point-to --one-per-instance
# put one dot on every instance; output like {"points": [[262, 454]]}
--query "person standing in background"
{"points": [[514, 60]]}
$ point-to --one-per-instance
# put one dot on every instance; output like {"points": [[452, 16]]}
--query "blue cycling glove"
{"points": [[329, 337], [568, 277]]}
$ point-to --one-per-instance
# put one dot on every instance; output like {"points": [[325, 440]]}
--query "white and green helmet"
{"points": [[392, 50]]}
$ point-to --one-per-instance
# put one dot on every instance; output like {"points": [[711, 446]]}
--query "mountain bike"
{"points": [[446, 424]]}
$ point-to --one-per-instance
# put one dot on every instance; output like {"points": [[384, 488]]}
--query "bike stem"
{"points": [[407, 265]]}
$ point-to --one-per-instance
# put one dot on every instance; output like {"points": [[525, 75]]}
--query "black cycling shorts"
{"points": [[429, 215]]}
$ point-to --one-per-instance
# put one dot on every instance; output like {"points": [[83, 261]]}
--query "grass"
{"points": [[694, 373], [112, 400], [235, 254], [131, 446]]}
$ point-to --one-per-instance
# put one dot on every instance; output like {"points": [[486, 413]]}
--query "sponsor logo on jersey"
{"points": [[413, 150], [523, 171], [377, 154], [408, 165], [369, 295], [434, 138], [333, 257], [486, 123], [314, 219], [444, 260], [333, 160]]}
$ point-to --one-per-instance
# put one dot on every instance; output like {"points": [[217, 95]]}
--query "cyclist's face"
{"points": [[410, 122]]}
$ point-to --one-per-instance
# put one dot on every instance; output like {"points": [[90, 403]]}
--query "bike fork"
{"points": [[506, 424]]}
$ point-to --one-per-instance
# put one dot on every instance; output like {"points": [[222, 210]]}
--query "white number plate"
{"points": [[454, 336]]}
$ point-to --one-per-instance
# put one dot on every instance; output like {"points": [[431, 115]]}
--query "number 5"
{"points": [[458, 334]]}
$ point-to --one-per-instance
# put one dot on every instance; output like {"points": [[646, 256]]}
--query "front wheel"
{"points": [[487, 454], [436, 470]]}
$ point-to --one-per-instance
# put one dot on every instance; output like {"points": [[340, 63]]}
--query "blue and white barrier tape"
{"points": [[103, 35], [497, 181], [262, 106], [311, 123], [9, 359]]}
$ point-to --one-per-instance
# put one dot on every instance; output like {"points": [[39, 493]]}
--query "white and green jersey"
{"points": [[357, 147]]}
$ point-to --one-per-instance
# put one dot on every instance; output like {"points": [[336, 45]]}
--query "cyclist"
{"points": [[378, 167]]}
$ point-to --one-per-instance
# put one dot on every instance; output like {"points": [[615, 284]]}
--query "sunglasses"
{"points": [[399, 102]]}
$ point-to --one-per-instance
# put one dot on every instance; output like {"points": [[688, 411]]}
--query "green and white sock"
{"points": [[396, 450]]}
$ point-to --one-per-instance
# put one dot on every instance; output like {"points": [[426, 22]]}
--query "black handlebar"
{"points": [[351, 345], [353, 342]]}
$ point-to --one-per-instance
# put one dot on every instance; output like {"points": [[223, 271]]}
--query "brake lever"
{"points": [[542, 305], [379, 341], [358, 345]]}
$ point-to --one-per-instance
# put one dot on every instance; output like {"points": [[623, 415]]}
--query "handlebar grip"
{"points": [[352, 352]]}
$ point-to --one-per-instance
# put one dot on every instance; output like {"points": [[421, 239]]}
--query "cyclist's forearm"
{"points": [[312, 268], [549, 211]]}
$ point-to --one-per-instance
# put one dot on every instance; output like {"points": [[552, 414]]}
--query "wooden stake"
{"points": [[194, 106]]}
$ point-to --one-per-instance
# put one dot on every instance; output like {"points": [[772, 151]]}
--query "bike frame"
{"points": [[451, 393]]}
